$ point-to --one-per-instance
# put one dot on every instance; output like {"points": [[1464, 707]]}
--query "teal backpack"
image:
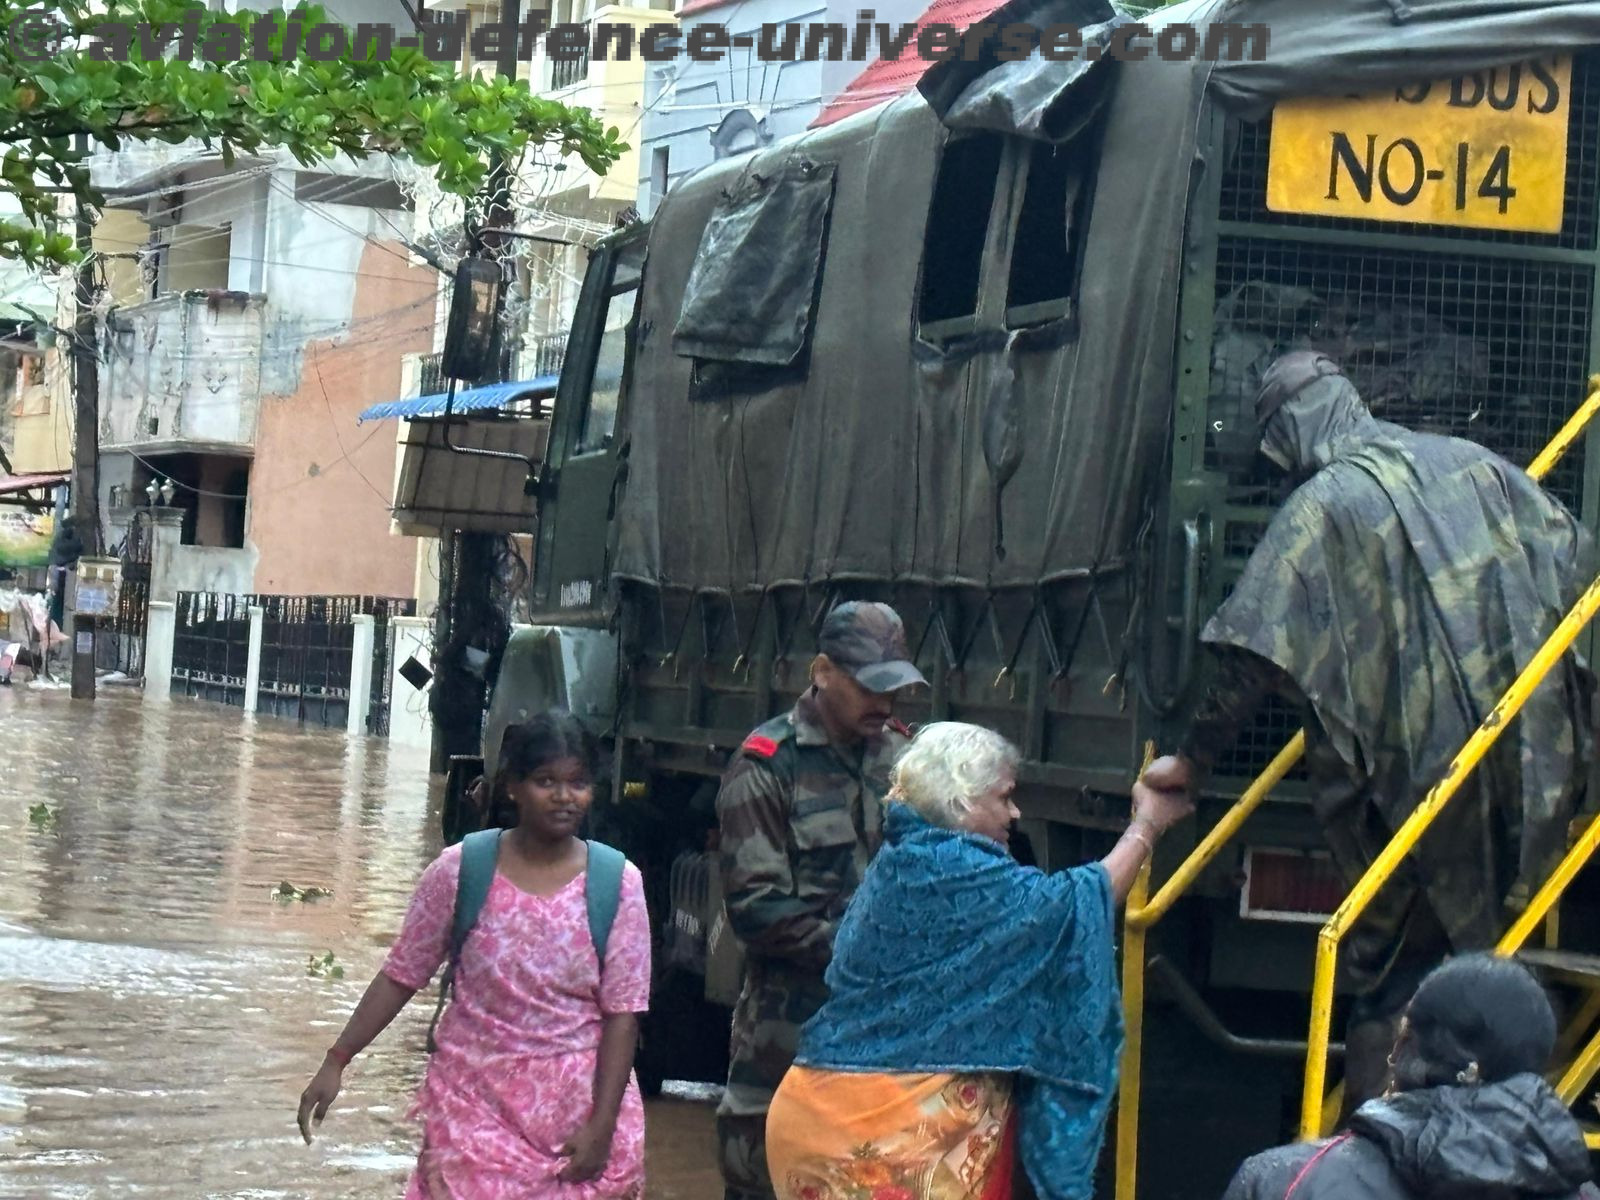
{"points": [[602, 891]]}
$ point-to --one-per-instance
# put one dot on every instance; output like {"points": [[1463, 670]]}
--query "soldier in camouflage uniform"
{"points": [[800, 811], [1393, 599]]}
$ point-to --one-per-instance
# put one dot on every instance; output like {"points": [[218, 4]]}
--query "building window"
{"points": [[196, 258], [660, 159]]}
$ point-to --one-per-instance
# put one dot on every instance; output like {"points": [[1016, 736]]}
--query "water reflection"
{"points": [[157, 1021]]}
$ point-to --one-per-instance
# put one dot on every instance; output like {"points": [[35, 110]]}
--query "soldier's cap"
{"points": [[868, 640], [1288, 375]]}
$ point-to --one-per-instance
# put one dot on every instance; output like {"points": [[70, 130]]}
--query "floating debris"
{"points": [[288, 893], [324, 967]]}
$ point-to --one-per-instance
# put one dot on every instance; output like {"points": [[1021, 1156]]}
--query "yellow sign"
{"points": [[1486, 150]]}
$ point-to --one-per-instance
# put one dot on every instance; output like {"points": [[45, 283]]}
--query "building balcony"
{"points": [[569, 72], [126, 175], [544, 355], [183, 373], [139, 163]]}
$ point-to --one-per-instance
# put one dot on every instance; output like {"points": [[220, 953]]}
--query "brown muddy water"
{"points": [[158, 1016]]}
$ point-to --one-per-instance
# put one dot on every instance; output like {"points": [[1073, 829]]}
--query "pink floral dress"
{"points": [[513, 1075]]}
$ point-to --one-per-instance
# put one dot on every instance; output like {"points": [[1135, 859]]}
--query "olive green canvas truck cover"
{"points": [[788, 421]]}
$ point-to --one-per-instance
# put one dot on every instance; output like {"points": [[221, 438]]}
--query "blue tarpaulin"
{"points": [[494, 396]]}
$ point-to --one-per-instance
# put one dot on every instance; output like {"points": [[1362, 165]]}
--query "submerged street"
{"points": [[159, 1009]]}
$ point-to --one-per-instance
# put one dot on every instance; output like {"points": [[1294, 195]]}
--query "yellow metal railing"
{"points": [[1407, 836], [1142, 912]]}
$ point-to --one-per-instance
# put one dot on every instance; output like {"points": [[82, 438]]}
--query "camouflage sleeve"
{"points": [[1242, 682], [757, 877]]}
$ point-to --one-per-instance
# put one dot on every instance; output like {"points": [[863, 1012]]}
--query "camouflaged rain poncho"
{"points": [[1401, 589]]}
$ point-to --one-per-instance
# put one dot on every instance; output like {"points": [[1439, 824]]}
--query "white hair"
{"points": [[947, 767]]}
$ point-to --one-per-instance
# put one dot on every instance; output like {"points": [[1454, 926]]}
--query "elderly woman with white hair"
{"points": [[973, 1003]]}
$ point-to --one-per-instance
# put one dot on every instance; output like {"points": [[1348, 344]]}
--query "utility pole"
{"points": [[86, 389], [86, 439], [467, 616]]}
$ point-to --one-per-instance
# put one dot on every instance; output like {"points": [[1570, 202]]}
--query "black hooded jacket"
{"points": [[1512, 1140]]}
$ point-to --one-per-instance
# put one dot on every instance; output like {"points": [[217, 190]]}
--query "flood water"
{"points": [[158, 1015]]}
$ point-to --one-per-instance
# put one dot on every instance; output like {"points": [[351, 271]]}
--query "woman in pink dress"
{"points": [[530, 1093]]}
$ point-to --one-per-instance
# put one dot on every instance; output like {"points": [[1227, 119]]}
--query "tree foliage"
{"points": [[67, 69]]}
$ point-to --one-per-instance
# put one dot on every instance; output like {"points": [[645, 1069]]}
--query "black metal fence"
{"points": [[120, 646], [307, 644]]}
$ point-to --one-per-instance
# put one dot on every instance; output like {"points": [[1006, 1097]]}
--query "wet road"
{"points": [[158, 1015]]}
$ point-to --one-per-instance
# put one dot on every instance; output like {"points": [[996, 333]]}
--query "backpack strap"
{"points": [[1314, 1160], [479, 852], [602, 893]]}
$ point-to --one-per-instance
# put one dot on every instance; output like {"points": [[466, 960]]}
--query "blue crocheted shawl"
{"points": [[953, 958]]}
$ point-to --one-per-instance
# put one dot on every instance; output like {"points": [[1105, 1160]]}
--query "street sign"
{"points": [[1486, 150]]}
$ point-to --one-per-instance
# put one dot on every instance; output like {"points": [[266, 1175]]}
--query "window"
{"points": [[605, 388], [613, 352], [958, 227], [660, 168], [1004, 240], [1047, 248], [196, 257]]}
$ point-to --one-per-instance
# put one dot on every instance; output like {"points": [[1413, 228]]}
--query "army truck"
{"points": [[988, 353]]}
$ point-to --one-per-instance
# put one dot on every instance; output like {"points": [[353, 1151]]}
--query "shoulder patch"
{"points": [[762, 747]]}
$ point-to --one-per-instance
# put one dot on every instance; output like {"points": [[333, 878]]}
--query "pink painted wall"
{"points": [[321, 484]]}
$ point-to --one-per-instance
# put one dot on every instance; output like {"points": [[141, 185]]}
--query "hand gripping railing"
{"points": [[1142, 912]]}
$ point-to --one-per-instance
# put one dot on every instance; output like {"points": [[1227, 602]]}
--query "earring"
{"points": [[1470, 1076]]}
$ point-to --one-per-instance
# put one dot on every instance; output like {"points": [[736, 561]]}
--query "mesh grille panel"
{"points": [[1244, 185], [1440, 337], [1494, 350], [1274, 723]]}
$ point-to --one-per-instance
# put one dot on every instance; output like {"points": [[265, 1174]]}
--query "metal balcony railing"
{"points": [[565, 72], [546, 353]]}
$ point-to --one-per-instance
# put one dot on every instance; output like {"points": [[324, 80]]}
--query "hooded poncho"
{"points": [[1402, 589]]}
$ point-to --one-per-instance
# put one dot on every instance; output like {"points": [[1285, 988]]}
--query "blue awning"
{"points": [[494, 396]]}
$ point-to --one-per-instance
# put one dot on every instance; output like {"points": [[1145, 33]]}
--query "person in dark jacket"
{"points": [[1468, 1115]]}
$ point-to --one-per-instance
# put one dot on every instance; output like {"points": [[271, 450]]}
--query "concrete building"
{"points": [[35, 393], [573, 207], [267, 304], [699, 112]]}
